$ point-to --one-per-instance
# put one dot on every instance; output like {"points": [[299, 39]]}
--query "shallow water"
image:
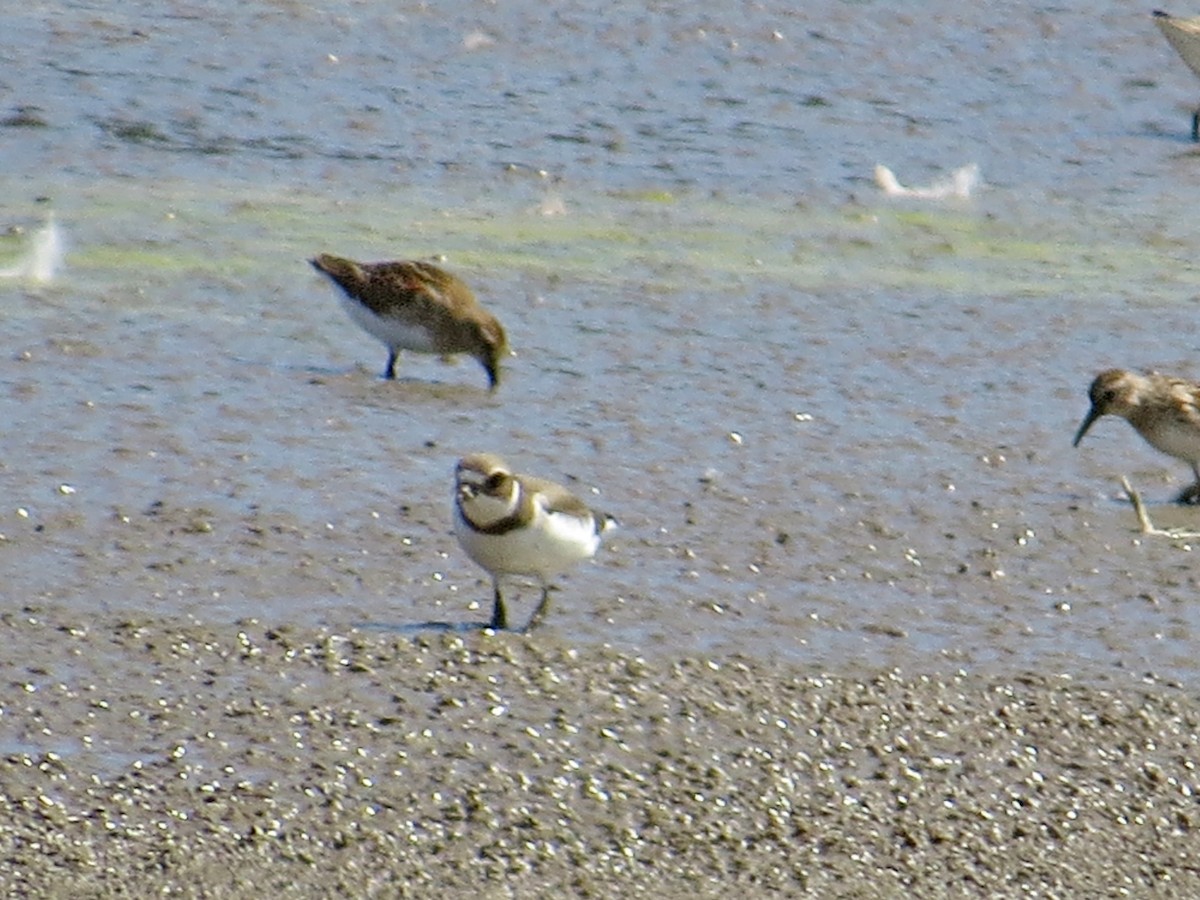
{"points": [[835, 427]]}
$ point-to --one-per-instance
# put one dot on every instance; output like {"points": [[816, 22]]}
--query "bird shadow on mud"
{"points": [[362, 386], [436, 626]]}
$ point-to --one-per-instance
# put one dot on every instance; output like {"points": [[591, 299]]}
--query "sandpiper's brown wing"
{"points": [[1183, 35], [1185, 400], [416, 284]]}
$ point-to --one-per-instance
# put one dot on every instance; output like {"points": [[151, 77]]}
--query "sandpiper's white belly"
{"points": [[393, 332], [550, 544], [1175, 438]]}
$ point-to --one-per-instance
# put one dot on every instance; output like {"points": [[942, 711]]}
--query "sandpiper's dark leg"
{"points": [[499, 613], [1191, 493], [540, 612], [390, 371]]}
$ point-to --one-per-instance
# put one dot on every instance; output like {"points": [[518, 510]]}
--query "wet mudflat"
{"points": [[155, 755], [814, 473]]}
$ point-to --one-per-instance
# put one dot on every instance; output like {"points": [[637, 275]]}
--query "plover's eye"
{"points": [[495, 480]]}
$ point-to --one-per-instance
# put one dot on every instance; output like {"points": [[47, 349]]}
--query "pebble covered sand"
{"points": [[168, 757]]}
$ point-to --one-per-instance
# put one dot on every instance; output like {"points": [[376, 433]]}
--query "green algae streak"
{"points": [[671, 240]]}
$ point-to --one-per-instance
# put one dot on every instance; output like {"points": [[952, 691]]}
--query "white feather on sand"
{"points": [[959, 185], [42, 259]]}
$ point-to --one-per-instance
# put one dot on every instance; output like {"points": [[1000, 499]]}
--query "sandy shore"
{"points": [[168, 757]]}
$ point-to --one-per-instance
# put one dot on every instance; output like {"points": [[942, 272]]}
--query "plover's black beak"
{"points": [[1092, 416]]}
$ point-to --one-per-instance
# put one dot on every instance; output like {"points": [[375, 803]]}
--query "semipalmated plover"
{"points": [[417, 306], [520, 525], [1164, 410]]}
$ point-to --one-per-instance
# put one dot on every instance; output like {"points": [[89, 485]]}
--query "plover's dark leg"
{"points": [[540, 612], [499, 613], [389, 371], [1196, 125]]}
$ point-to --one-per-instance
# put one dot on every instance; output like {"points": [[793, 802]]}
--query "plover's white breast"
{"points": [[549, 544]]}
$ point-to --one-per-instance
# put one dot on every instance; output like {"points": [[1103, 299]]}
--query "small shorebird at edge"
{"points": [[1184, 36], [520, 525], [411, 305], [1164, 410]]}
